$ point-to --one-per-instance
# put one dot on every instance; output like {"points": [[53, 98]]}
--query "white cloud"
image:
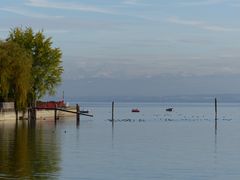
{"points": [[66, 6], [202, 2], [235, 4], [201, 25], [27, 13], [132, 2], [125, 67]]}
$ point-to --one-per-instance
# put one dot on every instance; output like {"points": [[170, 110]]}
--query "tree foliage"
{"points": [[46, 67], [15, 74], [29, 67]]}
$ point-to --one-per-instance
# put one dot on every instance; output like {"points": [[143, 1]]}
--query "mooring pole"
{"points": [[35, 111], [215, 113], [113, 113], [28, 114], [78, 114], [55, 114]]}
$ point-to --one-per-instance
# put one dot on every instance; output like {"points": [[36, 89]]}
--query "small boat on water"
{"points": [[169, 109], [135, 110]]}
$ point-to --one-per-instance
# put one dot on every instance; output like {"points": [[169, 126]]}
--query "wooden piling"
{"points": [[55, 114], [113, 113], [215, 113], [28, 114], [78, 114]]}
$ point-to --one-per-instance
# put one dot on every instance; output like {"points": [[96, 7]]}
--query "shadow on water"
{"points": [[28, 152]]}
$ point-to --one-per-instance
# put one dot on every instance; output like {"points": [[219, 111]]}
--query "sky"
{"points": [[137, 47]]}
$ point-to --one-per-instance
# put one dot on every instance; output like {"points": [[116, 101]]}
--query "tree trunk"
{"points": [[33, 110], [16, 110]]}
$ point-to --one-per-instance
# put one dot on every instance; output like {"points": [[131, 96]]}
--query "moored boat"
{"points": [[169, 109], [135, 110]]}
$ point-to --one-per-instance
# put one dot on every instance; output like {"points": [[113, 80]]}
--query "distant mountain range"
{"points": [[154, 89], [231, 98]]}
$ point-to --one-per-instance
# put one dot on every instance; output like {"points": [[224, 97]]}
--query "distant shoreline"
{"points": [[198, 98]]}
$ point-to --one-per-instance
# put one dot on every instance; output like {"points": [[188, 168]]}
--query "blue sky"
{"points": [[136, 39]]}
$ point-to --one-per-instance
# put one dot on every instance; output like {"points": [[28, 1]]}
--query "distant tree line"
{"points": [[30, 67]]}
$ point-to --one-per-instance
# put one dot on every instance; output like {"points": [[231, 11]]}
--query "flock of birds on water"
{"points": [[168, 116]]}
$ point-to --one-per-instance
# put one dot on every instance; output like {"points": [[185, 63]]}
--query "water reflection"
{"points": [[215, 145], [215, 136], [112, 135], [215, 140], [27, 152]]}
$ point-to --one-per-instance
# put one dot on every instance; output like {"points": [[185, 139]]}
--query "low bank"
{"points": [[41, 114]]}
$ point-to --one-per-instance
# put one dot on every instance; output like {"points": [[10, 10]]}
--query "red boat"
{"points": [[135, 110]]}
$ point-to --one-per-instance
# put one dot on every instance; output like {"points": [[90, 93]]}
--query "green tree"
{"points": [[46, 67], [5, 71], [15, 74]]}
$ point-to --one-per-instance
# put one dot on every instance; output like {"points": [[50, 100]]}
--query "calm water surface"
{"points": [[152, 144]]}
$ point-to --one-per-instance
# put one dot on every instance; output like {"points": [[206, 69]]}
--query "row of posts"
{"points": [[78, 114]]}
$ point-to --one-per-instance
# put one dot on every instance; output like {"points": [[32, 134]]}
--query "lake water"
{"points": [[152, 144]]}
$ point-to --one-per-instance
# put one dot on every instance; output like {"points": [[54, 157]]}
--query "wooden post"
{"points": [[55, 114], [78, 114], [215, 113], [113, 113], [34, 111], [28, 114]]}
